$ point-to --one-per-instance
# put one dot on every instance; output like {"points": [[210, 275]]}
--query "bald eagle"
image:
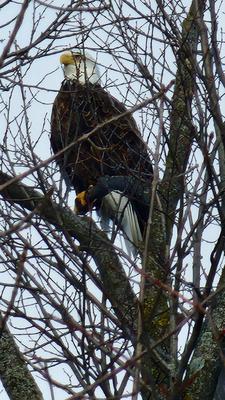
{"points": [[115, 148]]}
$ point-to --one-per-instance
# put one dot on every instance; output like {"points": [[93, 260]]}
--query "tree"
{"points": [[79, 318]]}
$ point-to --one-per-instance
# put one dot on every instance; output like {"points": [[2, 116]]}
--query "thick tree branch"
{"points": [[171, 189], [92, 240], [208, 358], [15, 376]]}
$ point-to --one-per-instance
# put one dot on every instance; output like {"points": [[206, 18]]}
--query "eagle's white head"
{"points": [[79, 66]]}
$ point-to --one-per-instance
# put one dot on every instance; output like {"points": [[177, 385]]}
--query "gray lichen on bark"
{"points": [[15, 375]]}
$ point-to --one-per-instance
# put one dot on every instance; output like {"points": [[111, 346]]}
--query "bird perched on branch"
{"points": [[87, 117]]}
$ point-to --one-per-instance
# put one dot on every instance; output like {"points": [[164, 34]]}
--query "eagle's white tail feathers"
{"points": [[117, 207]]}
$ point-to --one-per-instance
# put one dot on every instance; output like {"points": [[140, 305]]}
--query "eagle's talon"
{"points": [[81, 204], [82, 198]]}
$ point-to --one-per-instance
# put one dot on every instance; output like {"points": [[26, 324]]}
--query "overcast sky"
{"points": [[46, 73]]}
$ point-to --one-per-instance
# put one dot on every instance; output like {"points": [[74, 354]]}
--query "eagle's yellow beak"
{"points": [[66, 58]]}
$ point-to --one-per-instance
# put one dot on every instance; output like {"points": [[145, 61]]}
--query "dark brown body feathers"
{"points": [[114, 149]]}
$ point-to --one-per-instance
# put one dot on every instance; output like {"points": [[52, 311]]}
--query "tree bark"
{"points": [[14, 373]]}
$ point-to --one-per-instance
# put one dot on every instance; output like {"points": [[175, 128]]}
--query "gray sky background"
{"points": [[47, 74]]}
